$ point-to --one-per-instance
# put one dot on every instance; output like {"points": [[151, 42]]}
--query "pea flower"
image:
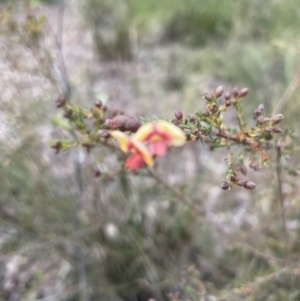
{"points": [[151, 139], [140, 154], [160, 134]]}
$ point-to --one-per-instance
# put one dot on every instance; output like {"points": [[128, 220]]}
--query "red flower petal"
{"points": [[158, 148], [134, 161]]}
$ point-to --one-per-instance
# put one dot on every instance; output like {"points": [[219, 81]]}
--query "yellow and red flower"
{"points": [[140, 153], [151, 139], [160, 135]]}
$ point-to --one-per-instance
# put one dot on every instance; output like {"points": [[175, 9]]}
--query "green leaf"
{"points": [[62, 122]]}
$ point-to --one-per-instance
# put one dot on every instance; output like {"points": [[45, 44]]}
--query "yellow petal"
{"points": [[141, 148], [123, 139], [130, 144], [144, 131], [177, 135]]}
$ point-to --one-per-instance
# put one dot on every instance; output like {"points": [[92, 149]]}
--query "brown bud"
{"points": [[178, 115], [104, 108], [268, 136], [118, 122], [214, 109], [233, 177], [192, 117], [259, 109], [98, 103], [267, 130], [57, 146], [254, 166], [205, 114], [260, 120], [249, 185], [224, 185], [132, 125], [227, 95], [68, 113], [241, 168], [97, 173], [175, 121], [107, 123], [243, 92], [277, 119], [104, 134], [277, 130], [208, 96], [235, 92], [227, 103], [60, 102], [219, 91], [240, 182]]}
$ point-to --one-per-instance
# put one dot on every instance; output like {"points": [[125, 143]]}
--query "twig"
{"points": [[247, 289], [287, 95], [281, 196], [181, 197], [52, 242]]}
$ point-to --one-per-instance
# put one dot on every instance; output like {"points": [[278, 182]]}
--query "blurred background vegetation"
{"points": [[68, 235]]}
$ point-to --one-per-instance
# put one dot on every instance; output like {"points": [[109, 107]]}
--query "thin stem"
{"points": [[248, 289], [181, 197], [281, 196], [238, 108]]}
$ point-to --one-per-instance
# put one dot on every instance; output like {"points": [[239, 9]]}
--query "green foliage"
{"points": [[198, 22], [111, 25]]}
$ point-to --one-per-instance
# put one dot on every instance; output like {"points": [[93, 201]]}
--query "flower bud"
{"points": [[249, 185], [233, 177], [277, 119], [192, 117], [267, 130], [104, 134], [208, 96], [97, 173], [132, 125], [227, 103], [68, 114], [60, 102], [178, 115], [268, 136], [260, 120], [235, 92], [175, 121], [227, 95], [98, 103], [107, 123], [243, 92], [219, 91], [224, 185], [119, 121], [259, 109], [214, 109], [205, 114], [277, 130], [241, 168], [57, 146], [104, 108], [254, 166], [240, 182]]}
